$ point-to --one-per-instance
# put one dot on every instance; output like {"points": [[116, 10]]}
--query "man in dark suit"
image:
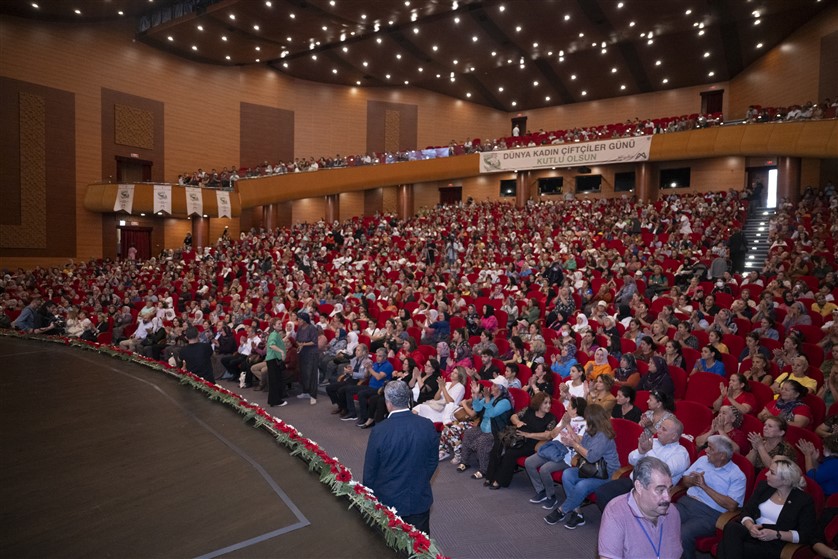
{"points": [[402, 456]]}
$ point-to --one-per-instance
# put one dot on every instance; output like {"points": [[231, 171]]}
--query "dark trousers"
{"points": [[378, 407], [334, 392], [364, 397], [502, 463], [422, 521], [611, 490], [234, 363], [737, 542], [276, 382], [349, 393]]}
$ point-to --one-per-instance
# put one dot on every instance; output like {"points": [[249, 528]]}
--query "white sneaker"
{"points": [[444, 456], [303, 396], [313, 401]]}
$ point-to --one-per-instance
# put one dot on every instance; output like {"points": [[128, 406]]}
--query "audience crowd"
{"points": [[568, 338]]}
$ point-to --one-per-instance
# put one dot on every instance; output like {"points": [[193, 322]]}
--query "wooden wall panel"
{"points": [[119, 141], [787, 74], [391, 126], [308, 210], [351, 204], [390, 200], [266, 134], [175, 231], [810, 173], [373, 201], [828, 82], [217, 225]]}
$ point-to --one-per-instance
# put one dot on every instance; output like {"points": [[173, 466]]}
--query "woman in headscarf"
{"points": [[658, 377], [442, 353], [560, 363], [581, 323], [599, 365]]}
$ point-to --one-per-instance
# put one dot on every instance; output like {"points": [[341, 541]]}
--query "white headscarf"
{"points": [[351, 342]]}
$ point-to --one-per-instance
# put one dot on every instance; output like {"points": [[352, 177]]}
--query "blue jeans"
{"points": [[576, 488]]}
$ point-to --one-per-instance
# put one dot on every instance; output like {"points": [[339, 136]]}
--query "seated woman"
{"points": [[674, 355], [597, 444], [788, 405], [738, 394], [658, 377], [727, 422], [709, 362], [376, 404], [489, 322], [555, 456], [658, 333], [496, 407], [599, 365], [560, 363], [799, 368], [778, 512], [510, 371], [576, 385], [633, 331], [600, 393], [424, 383], [661, 407], [646, 349], [534, 424], [824, 472], [625, 408], [715, 339], [770, 444], [759, 370], [587, 343], [540, 381], [441, 408], [753, 347], [627, 374]]}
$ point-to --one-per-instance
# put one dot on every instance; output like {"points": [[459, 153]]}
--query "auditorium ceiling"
{"points": [[511, 55]]}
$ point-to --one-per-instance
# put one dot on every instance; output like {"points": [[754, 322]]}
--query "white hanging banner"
{"points": [[124, 198], [163, 198], [618, 150], [223, 199], [194, 200]]}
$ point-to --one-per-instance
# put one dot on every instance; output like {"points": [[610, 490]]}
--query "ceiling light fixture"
{"points": [[34, 5], [170, 38], [200, 28], [194, 47], [224, 37], [334, 70], [435, 48], [227, 57], [711, 74], [665, 80], [365, 63], [514, 103], [387, 76], [688, 12], [613, 70], [759, 45], [658, 62], [468, 94], [500, 89], [258, 48], [700, 33], [232, 16], [622, 87], [268, 3], [535, 83], [501, 7], [573, 76], [345, 49], [78, 12], [378, 40], [363, 16], [567, 17], [518, 28], [255, 27], [584, 93]]}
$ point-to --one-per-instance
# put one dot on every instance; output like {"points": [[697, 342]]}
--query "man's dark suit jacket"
{"points": [[402, 456]]}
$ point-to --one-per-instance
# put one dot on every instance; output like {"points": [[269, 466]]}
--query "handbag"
{"points": [[510, 438], [593, 470], [436, 405]]}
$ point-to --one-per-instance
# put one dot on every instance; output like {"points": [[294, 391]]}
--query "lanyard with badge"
{"points": [[657, 549]]}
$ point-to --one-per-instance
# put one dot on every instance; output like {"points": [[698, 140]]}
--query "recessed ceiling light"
{"points": [[324, 28], [232, 16], [314, 57], [435, 48], [288, 39], [345, 49], [268, 3], [34, 5], [620, 5], [711, 74], [455, 61], [258, 48], [707, 54], [632, 24], [456, 20], [500, 89], [622, 87], [387, 76], [224, 37], [514, 103], [227, 57], [358, 82], [120, 12], [378, 40], [502, 7], [78, 12], [573, 76], [363, 16], [334, 70], [535, 45], [398, 57], [194, 47], [650, 41], [547, 98], [665, 80], [518, 28], [285, 65], [567, 17], [613, 70], [535, 83], [756, 21], [755, 13], [365, 63], [170, 38], [561, 59], [407, 2], [474, 39], [584, 93], [258, 60], [256, 28], [494, 53], [759, 45], [291, 15], [581, 35], [468, 94], [688, 12], [700, 33], [406, 82], [331, 2], [658, 62]]}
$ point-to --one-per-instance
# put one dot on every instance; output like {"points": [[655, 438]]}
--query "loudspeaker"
{"points": [[584, 170]]}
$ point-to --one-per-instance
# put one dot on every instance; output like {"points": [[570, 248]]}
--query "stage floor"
{"points": [[103, 458]]}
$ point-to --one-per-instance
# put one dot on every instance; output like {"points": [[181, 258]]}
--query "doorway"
{"points": [[131, 170], [137, 237], [521, 123], [712, 101], [450, 195]]}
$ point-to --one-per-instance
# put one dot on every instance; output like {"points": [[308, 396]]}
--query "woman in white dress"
{"points": [[448, 398]]}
